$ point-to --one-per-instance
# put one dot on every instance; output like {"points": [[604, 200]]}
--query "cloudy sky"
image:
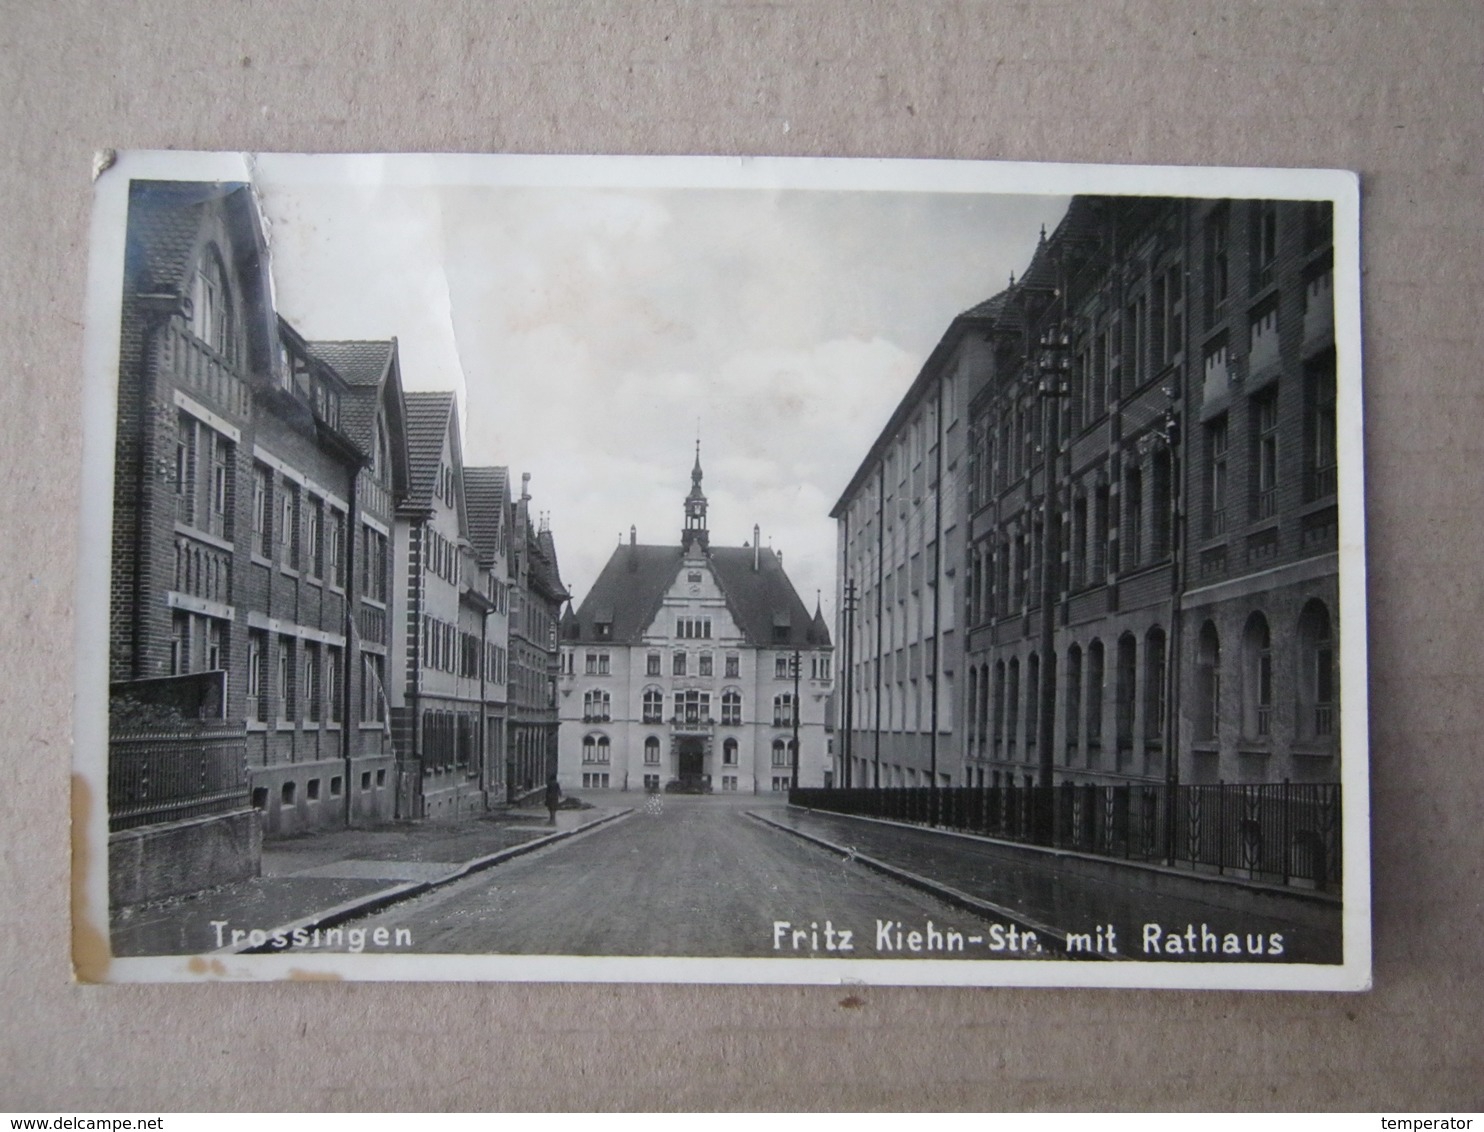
{"points": [[591, 331]]}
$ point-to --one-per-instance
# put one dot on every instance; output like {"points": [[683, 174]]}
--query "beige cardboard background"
{"points": [[1392, 91]]}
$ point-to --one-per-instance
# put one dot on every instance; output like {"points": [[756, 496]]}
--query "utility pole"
{"points": [[798, 663], [847, 745]]}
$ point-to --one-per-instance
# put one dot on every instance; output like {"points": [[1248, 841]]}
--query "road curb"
{"points": [[384, 898], [947, 893]]}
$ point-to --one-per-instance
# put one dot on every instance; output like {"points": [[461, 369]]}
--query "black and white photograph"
{"points": [[716, 570]]}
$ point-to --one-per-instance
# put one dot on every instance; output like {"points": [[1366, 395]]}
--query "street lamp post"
{"points": [[1053, 367]]}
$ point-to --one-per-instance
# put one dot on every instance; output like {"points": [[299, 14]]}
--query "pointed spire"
{"points": [[819, 629], [694, 528]]}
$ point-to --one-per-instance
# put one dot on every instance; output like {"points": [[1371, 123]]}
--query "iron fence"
{"points": [[1287, 833], [162, 775]]}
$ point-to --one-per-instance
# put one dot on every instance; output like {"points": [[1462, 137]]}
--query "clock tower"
{"points": [[694, 538]]}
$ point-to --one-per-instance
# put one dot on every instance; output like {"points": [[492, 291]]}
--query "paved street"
{"points": [[684, 876]]}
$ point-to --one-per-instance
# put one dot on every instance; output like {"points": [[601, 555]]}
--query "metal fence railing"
{"points": [[188, 771], [1286, 833]]}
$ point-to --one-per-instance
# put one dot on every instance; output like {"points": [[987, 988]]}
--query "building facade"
{"points": [[536, 596], [697, 666], [438, 689], [237, 506], [1152, 576], [900, 539]]}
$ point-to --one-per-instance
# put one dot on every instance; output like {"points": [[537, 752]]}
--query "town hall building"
{"points": [[684, 668]]}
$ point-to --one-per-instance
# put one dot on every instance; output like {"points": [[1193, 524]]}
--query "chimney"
{"points": [[525, 487], [633, 535], [756, 547]]}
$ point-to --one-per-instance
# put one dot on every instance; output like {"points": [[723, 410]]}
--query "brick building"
{"points": [[1176, 359], [236, 512], [679, 667]]}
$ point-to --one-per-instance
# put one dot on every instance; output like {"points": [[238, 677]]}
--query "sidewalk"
{"points": [[330, 876], [1059, 893]]}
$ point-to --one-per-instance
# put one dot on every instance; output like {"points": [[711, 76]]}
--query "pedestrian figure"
{"points": [[553, 797]]}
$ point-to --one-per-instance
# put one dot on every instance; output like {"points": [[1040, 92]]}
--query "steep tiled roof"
{"points": [[628, 591], [632, 585], [486, 496], [819, 632], [364, 366], [360, 363], [427, 425], [990, 308], [544, 566], [165, 220], [761, 600]]}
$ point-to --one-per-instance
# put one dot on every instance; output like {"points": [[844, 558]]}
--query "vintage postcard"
{"points": [[722, 570]]}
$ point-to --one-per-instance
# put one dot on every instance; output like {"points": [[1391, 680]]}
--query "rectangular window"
{"points": [[185, 469], [1264, 248], [652, 666], [332, 684], [590, 664], [336, 537], [262, 510], [732, 665], [706, 664], [285, 680], [1216, 277], [257, 684], [780, 668], [678, 664], [1322, 458], [180, 643], [314, 554], [1133, 345], [221, 485], [373, 697], [1133, 518], [312, 681], [1216, 489], [1265, 453]]}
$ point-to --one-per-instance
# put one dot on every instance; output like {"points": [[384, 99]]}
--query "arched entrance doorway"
{"points": [[690, 763]]}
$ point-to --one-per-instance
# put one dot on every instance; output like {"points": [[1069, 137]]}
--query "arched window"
{"points": [[780, 753], [998, 724], [654, 705], [1318, 688], [783, 710], [1032, 702], [1154, 685], [729, 753], [1257, 678], [1094, 698], [973, 735], [595, 706], [731, 708], [211, 309], [1074, 702], [1012, 708], [1125, 691], [589, 749], [651, 751], [1207, 683]]}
